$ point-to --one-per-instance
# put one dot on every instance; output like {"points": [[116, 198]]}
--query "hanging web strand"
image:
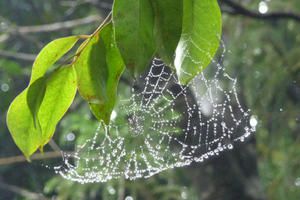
{"points": [[161, 126]]}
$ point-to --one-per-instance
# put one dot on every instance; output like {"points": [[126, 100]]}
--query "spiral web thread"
{"points": [[163, 125]]}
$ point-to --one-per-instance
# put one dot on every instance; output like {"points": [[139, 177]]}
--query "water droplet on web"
{"points": [[253, 121], [113, 115]]}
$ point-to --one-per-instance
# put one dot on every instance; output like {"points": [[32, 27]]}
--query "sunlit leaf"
{"points": [[134, 24], [59, 93], [200, 37], [35, 96], [99, 68], [51, 53], [21, 125], [168, 27]]}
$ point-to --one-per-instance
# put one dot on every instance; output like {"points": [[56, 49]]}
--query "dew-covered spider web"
{"points": [[163, 125]]}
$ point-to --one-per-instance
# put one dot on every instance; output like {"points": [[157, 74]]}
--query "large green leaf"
{"points": [[200, 37], [21, 125], [134, 24], [27, 128], [35, 96], [99, 68], [168, 27], [51, 53], [59, 93]]}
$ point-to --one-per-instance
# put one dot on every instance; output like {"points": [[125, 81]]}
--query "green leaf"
{"points": [[59, 94], [133, 22], [35, 96], [99, 68], [200, 38], [21, 125], [168, 27], [50, 54]]}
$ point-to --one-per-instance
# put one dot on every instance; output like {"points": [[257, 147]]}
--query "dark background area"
{"points": [[262, 39]]}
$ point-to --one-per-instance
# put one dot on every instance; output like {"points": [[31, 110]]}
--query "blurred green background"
{"points": [[264, 55]]}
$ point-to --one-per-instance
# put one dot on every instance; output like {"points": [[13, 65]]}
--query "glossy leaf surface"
{"points": [[99, 68], [168, 27], [59, 94], [35, 96], [200, 38], [134, 24], [50, 54]]}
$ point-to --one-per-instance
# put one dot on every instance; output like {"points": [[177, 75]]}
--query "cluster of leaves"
{"points": [[184, 34]]}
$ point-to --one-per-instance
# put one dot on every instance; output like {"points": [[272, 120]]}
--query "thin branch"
{"points": [[237, 9], [102, 5], [38, 156], [17, 56], [57, 26], [22, 192], [54, 146]]}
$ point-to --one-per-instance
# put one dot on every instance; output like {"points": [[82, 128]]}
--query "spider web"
{"points": [[163, 125]]}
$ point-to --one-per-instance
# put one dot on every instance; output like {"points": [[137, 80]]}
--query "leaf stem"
{"points": [[89, 37], [85, 43], [105, 21]]}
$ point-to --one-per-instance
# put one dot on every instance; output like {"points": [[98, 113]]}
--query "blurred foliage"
{"points": [[263, 55]]}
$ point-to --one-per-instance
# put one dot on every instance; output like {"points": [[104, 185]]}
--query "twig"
{"points": [[99, 4], [54, 146], [237, 9], [57, 26], [17, 56], [38, 156]]}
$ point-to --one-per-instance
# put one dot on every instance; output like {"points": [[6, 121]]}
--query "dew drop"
{"points": [[113, 115], [253, 121]]}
